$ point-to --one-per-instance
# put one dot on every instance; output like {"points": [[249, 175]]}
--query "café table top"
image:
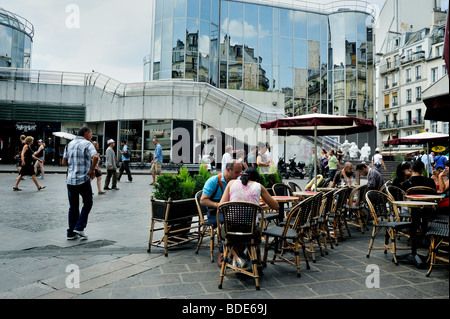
{"points": [[325, 189], [424, 197], [305, 193], [414, 204], [285, 199]]}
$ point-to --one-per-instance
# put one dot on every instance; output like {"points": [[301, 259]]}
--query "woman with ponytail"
{"points": [[246, 189]]}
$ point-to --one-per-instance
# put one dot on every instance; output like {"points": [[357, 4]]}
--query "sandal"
{"points": [[41, 187], [16, 189]]}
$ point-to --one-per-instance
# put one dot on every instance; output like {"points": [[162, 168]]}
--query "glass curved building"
{"points": [[16, 36], [314, 55]]}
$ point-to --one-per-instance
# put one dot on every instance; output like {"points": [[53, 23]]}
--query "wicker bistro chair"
{"points": [[323, 222], [421, 190], [383, 188], [291, 236], [398, 194], [337, 216], [240, 229], [357, 207], [439, 243], [280, 189], [311, 228], [385, 216], [205, 228], [294, 187]]}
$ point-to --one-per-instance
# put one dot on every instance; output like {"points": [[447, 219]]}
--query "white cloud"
{"points": [[113, 37]]}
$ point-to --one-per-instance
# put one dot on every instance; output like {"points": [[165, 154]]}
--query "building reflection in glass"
{"points": [[315, 59]]}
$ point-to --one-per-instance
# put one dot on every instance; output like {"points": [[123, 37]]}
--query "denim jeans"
{"points": [[125, 166], [78, 221]]}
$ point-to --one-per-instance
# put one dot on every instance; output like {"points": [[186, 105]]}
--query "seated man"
{"points": [[417, 178], [343, 176], [419, 216], [374, 178], [213, 190]]}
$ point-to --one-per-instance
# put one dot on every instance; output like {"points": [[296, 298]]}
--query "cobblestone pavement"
{"points": [[36, 260]]}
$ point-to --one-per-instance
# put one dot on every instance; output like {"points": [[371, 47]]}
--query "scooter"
{"points": [[301, 167], [292, 168], [282, 168]]}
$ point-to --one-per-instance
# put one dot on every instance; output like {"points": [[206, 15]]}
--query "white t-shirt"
{"points": [[225, 159], [377, 158]]}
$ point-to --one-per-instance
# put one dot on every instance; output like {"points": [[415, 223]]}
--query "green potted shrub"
{"points": [[270, 178], [173, 204]]}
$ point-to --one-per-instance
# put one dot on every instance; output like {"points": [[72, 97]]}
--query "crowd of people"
{"points": [[338, 173], [258, 157], [237, 181], [82, 158]]}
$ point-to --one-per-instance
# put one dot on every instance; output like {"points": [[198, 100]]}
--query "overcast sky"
{"points": [[112, 37]]}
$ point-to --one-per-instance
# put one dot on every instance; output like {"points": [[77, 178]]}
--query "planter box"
{"points": [[177, 222]]}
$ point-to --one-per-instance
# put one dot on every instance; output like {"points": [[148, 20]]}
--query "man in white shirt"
{"points": [[428, 160], [226, 157]]}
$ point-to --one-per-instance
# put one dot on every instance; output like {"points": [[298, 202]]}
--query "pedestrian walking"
{"points": [[377, 160], [27, 157], [98, 173], [40, 153], [111, 166], [324, 162], [156, 161], [125, 164], [18, 156], [81, 158], [333, 164]]}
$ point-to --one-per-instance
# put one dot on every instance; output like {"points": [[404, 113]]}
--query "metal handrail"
{"points": [[119, 89], [17, 22]]}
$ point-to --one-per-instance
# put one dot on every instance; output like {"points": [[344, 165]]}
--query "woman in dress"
{"points": [[40, 153], [246, 189], [98, 173], [27, 165]]}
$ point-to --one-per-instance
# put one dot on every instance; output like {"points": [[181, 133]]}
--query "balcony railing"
{"points": [[412, 122], [417, 121], [389, 66], [413, 57]]}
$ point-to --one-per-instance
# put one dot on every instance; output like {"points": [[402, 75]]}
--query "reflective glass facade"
{"points": [[16, 36], [315, 59]]}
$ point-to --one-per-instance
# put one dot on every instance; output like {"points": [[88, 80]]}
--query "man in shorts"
{"points": [[157, 161]]}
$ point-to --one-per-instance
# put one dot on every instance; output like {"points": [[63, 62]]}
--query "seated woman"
{"points": [[403, 174], [444, 189], [246, 189]]}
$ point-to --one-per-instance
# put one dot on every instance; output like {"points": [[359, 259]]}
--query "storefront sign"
{"points": [[439, 149], [26, 126], [128, 131]]}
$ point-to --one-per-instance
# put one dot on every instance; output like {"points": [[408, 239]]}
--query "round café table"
{"points": [[281, 201], [426, 198], [325, 189], [305, 194], [414, 204], [416, 210]]}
